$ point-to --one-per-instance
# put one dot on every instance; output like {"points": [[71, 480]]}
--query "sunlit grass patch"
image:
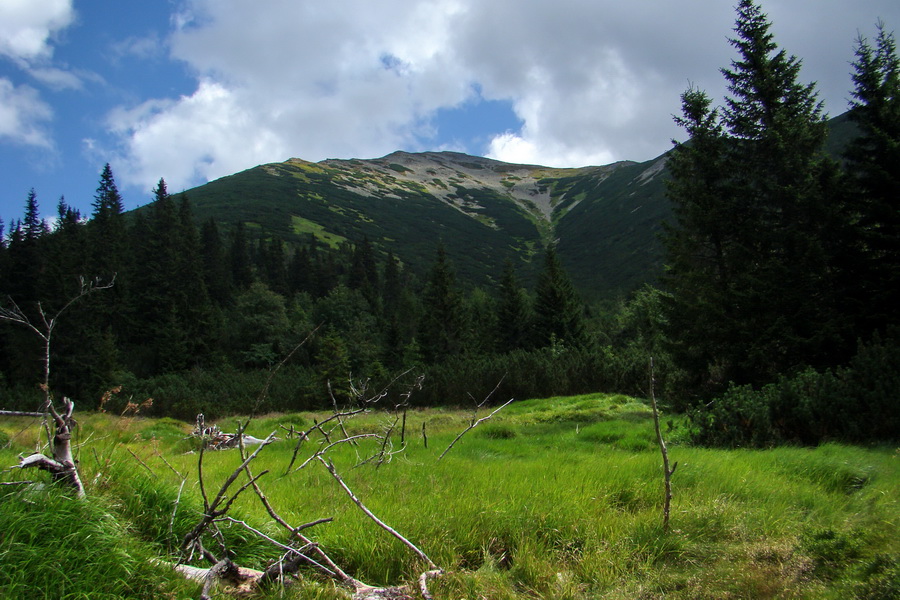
{"points": [[557, 498]]}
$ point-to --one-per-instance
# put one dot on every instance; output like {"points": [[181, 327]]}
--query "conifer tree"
{"points": [[513, 312], [158, 341], [559, 312], [363, 274], [26, 262], [216, 274], [192, 300], [873, 166], [749, 265], [300, 272], [441, 328], [107, 229], [239, 257], [274, 265]]}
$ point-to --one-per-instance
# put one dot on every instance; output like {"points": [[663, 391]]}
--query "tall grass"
{"points": [[557, 498]]}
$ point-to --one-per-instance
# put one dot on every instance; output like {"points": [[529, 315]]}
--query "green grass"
{"points": [[300, 226], [555, 498]]}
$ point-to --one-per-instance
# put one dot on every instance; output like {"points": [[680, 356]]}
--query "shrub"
{"points": [[855, 403]]}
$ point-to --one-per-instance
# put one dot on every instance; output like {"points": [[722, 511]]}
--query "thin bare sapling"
{"points": [[61, 465]]}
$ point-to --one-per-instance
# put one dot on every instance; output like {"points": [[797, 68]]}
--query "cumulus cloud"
{"points": [[26, 27], [23, 115], [591, 81]]}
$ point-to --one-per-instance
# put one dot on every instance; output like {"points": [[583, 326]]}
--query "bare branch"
{"points": [[667, 472], [212, 510], [423, 582], [350, 439], [475, 423], [19, 413], [379, 522]]}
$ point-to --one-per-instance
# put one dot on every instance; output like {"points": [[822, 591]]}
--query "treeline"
{"points": [[197, 318], [776, 320], [783, 266]]}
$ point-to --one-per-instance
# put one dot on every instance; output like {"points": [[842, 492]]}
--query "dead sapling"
{"points": [[667, 472], [61, 465]]}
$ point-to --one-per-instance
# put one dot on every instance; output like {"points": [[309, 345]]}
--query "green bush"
{"points": [[855, 403]]}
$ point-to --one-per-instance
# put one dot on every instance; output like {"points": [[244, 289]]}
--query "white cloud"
{"points": [[193, 139], [26, 29], [26, 26], [23, 115], [592, 81]]}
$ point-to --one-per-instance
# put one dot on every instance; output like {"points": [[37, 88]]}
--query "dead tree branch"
{"points": [[62, 465], [371, 515], [44, 325], [19, 413], [222, 501], [473, 423]]}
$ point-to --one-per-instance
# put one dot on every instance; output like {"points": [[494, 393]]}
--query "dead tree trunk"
{"points": [[667, 472], [62, 466]]}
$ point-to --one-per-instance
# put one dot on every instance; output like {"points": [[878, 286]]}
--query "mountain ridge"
{"points": [[482, 210], [604, 220]]}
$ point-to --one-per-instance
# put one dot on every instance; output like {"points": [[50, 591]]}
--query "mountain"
{"points": [[483, 211], [605, 220]]}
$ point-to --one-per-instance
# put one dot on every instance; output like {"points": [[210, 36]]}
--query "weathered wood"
{"points": [[19, 413], [62, 465], [372, 516], [667, 472]]}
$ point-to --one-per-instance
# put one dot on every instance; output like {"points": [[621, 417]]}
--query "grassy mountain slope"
{"points": [[483, 211], [606, 220]]}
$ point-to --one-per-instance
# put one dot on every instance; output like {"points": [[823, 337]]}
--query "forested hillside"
{"points": [[483, 212], [779, 241]]}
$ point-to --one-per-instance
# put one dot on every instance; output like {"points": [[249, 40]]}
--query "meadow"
{"points": [[557, 498]]}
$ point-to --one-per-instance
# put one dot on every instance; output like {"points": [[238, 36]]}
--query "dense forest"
{"points": [[775, 321]]}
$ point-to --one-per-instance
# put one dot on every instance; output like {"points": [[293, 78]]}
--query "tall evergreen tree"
{"points": [[363, 274], [107, 230], [192, 300], [216, 274], [239, 258], [513, 312], [441, 327], [274, 265], [33, 227], [873, 165], [26, 261], [559, 312], [747, 255], [158, 342]]}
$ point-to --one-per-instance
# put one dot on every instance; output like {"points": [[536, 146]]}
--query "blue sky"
{"points": [[192, 90]]}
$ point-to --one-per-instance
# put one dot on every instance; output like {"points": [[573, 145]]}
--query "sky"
{"points": [[193, 90]]}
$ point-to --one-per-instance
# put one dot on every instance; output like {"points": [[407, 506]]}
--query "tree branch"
{"points": [[372, 516]]}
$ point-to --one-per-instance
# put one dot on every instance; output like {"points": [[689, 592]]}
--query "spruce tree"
{"points": [[193, 306], [239, 258], [107, 228], [749, 263], [873, 167], [159, 342], [559, 312], [216, 274], [513, 312], [441, 327]]}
